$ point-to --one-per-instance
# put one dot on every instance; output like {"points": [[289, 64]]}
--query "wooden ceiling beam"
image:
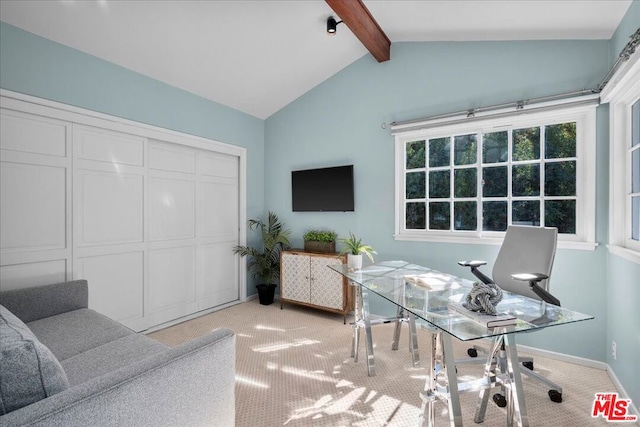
{"points": [[357, 17]]}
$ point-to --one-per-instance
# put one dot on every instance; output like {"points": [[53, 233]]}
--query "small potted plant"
{"points": [[265, 263], [354, 248], [323, 241]]}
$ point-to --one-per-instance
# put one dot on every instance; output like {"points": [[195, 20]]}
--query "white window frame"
{"points": [[582, 112], [622, 91]]}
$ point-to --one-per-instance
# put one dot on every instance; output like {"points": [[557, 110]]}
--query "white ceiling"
{"points": [[258, 56]]}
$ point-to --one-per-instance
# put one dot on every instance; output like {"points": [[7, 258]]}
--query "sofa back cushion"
{"points": [[28, 370]]}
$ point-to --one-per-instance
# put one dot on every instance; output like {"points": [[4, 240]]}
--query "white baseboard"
{"points": [[565, 357]]}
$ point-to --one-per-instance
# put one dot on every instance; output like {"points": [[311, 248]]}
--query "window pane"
{"points": [[635, 124], [526, 180], [495, 147], [560, 179], [526, 144], [466, 215], [526, 212], [494, 216], [416, 216], [464, 182], [561, 214], [494, 181], [439, 216], [439, 152], [635, 171], [560, 140], [465, 149], [415, 185], [439, 184], [635, 218], [415, 155]]}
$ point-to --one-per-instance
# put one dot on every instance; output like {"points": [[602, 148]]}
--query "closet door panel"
{"points": [[115, 284], [172, 290], [219, 281], [33, 207], [30, 274], [219, 209], [171, 157], [171, 209], [35, 200], [111, 208], [108, 146], [32, 134]]}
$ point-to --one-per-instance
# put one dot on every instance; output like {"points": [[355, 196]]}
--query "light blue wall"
{"points": [[36, 66], [623, 278], [338, 122]]}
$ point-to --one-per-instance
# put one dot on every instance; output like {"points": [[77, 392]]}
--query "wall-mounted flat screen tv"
{"points": [[323, 190]]}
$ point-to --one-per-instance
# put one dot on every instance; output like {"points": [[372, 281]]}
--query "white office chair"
{"points": [[523, 266]]}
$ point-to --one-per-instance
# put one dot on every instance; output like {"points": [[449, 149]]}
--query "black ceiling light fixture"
{"points": [[331, 25]]}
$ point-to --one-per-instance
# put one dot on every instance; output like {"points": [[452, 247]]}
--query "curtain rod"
{"points": [[624, 56]]}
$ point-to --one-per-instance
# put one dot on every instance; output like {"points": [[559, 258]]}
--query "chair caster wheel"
{"points": [[528, 365], [472, 352], [500, 400], [555, 396]]}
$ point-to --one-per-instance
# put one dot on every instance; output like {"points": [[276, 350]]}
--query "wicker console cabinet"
{"points": [[306, 280]]}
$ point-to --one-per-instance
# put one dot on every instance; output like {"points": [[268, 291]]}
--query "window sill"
{"points": [[562, 244], [625, 253]]}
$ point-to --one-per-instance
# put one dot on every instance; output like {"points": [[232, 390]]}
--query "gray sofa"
{"points": [[84, 369]]}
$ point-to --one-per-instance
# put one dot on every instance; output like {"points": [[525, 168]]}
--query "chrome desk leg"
{"points": [[371, 368], [517, 407], [455, 412], [489, 374], [413, 341], [401, 317], [396, 330], [440, 346], [357, 322], [428, 396]]}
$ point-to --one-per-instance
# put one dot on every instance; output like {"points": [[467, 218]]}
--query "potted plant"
{"points": [[323, 241], [265, 263], [354, 248]]}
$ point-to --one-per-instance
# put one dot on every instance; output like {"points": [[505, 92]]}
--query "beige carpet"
{"points": [[293, 368]]}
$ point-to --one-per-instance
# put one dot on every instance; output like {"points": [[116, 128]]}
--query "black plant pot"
{"points": [[266, 293]]}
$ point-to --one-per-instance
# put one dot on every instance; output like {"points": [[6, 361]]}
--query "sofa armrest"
{"points": [[38, 302], [193, 384]]}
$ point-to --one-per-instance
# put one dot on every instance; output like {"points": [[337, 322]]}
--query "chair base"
{"points": [[555, 391]]}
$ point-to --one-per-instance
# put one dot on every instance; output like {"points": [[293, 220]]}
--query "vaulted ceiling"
{"points": [[258, 56]]}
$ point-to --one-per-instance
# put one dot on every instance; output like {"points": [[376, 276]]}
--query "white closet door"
{"points": [[35, 202], [218, 229], [150, 223], [109, 243], [171, 201]]}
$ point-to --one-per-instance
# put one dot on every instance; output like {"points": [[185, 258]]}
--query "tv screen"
{"points": [[323, 190]]}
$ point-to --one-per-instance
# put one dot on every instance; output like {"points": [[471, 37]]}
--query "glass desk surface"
{"points": [[426, 294]]}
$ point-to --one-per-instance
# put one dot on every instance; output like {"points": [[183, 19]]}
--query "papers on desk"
{"points": [[433, 280], [488, 320]]}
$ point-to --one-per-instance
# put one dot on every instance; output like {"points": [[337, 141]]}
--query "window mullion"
{"points": [[543, 150]]}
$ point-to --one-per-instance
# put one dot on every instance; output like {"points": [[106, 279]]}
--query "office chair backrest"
{"points": [[525, 250]]}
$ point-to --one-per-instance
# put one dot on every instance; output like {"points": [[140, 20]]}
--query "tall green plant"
{"points": [[264, 264]]}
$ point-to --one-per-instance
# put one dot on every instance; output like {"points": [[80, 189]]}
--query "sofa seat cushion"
{"points": [[75, 332], [109, 357], [29, 372]]}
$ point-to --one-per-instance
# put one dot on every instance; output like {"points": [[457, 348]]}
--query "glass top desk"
{"points": [[425, 294]]}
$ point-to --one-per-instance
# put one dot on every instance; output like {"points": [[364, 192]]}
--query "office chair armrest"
{"points": [[474, 263], [533, 279], [474, 269]]}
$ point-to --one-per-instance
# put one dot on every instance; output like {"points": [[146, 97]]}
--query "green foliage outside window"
{"points": [[526, 175]]}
